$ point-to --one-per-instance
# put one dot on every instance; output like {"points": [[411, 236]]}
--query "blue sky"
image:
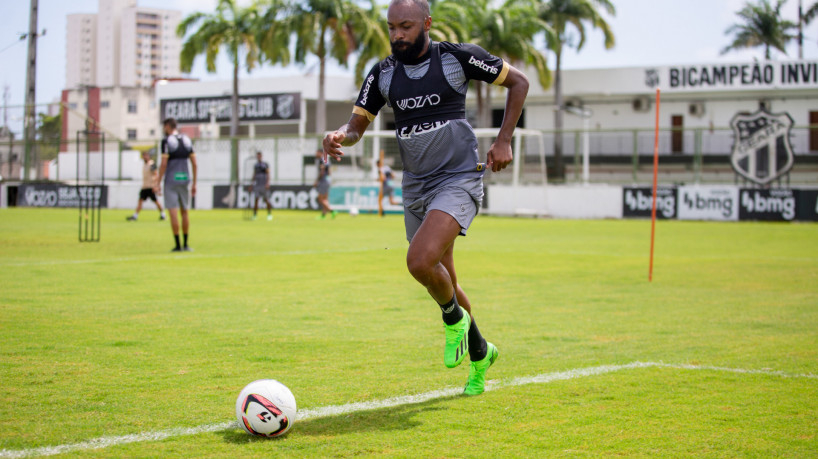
{"points": [[648, 33]]}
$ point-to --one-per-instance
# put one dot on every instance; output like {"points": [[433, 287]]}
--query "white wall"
{"points": [[593, 201]]}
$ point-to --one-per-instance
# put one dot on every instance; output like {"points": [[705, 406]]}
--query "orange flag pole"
{"points": [[655, 178]]}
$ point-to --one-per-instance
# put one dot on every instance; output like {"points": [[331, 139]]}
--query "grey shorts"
{"points": [[323, 187], [461, 200], [176, 196], [388, 189], [261, 192]]}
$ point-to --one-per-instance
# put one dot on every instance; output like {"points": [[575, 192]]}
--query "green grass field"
{"points": [[101, 341]]}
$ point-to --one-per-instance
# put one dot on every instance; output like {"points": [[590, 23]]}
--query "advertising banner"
{"points": [[255, 107], [637, 202], [718, 203], [808, 205], [297, 197], [58, 195], [771, 204], [363, 198]]}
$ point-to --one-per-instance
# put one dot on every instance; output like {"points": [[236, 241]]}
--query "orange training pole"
{"points": [[655, 174]]}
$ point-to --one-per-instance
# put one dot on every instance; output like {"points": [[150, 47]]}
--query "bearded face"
{"points": [[408, 50]]}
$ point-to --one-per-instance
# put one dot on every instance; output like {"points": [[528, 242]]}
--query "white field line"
{"points": [[334, 410], [191, 256]]}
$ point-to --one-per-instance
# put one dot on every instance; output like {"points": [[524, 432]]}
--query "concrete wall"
{"points": [[593, 201]]}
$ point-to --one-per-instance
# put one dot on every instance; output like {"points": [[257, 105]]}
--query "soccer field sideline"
{"points": [[334, 410]]}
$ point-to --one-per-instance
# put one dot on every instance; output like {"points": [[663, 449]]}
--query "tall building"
{"points": [[149, 46], [122, 45], [81, 50]]}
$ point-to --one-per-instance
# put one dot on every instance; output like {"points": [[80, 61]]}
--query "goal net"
{"points": [[356, 177]]}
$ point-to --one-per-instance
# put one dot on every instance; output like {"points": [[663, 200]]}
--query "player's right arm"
{"points": [[347, 135], [370, 100]]}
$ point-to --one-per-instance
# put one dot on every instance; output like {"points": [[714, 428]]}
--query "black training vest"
{"points": [[427, 99]]}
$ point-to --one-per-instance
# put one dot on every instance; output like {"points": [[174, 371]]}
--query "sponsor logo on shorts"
{"points": [[482, 65], [412, 103], [407, 132]]}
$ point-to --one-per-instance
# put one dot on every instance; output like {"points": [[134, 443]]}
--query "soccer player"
{"points": [[261, 185], [322, 184], [148, 179], [177, 150], [385, 176], [425, 84]]}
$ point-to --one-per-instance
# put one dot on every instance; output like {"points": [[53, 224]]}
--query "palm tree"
{"points": [[373, 41], [761, 25], [272, 33], [507, 32], [811, 13], [560, 14], [230, 27], [334, 29]]}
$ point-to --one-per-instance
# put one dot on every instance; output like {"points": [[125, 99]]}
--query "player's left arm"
{"points": [[500, 155], [479, 64], [195, 169]]}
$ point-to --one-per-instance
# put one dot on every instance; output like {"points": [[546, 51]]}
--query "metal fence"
{"points": [[614, 156]]}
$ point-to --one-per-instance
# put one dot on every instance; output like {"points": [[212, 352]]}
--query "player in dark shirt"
{"points": [[425, 84], [323, 182], [177, 150], [261, 186]]}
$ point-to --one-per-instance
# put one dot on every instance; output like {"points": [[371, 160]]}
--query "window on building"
{"points": [[72, 105], [131, 134], [104, 104], [677, 134], [131, 106]]}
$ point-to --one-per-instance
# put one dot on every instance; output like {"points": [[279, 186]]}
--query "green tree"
{"points": [[761, 24], [272, 31], [231, 28], [565, 16], [373, 41], [508, 32], [49, 135], [811, 13], [335, 29]]}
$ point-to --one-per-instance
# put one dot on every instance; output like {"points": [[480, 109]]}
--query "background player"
{"points": [[322, 185], [387, 189], [177, 150], [148, 179], [261, 185], [425, 83]]}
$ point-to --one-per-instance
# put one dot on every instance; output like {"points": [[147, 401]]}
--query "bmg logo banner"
{"points": [[708, 203], [773, 205], [638, 202]]}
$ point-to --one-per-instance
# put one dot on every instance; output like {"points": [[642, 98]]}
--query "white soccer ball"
{"points": [[353, 211], [266, 408]]}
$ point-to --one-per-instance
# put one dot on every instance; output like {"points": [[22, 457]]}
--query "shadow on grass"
{"points": [[403, 417]]}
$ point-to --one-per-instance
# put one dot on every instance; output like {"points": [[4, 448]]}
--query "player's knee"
{"points": [[420, 267]]}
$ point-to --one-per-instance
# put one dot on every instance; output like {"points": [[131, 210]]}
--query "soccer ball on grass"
{"points": [[266, 408]]}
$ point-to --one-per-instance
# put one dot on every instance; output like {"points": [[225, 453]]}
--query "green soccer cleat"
{"points": [[457, 342], [477, 373]]}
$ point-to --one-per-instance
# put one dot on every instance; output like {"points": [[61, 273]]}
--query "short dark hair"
{"points": [[422, 4], [170, 122]]}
